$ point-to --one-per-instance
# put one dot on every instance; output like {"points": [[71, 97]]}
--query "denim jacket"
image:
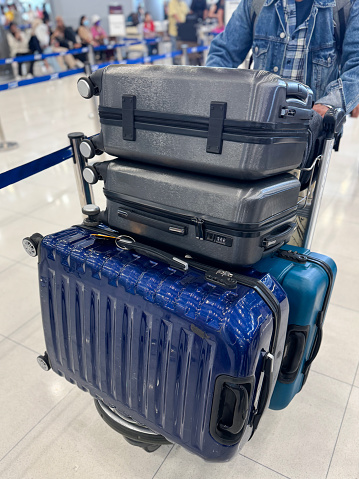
{"points": [[333, 75]]}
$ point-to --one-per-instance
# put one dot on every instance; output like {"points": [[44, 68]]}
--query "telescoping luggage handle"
{"points": [[333, 122], [227, 280]]}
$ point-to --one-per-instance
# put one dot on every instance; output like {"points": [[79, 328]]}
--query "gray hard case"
{"points": [[227, 222], [224, 122]]}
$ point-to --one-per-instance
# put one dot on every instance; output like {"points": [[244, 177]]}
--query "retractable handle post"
{"points": [[333, 123], [84, 189]]}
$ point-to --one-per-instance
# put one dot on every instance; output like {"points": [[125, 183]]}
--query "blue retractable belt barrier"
{"points": [[24, 171], [74, 51], [55, 76]]}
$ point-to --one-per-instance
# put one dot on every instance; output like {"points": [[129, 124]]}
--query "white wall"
{"points": [[72, 10]]}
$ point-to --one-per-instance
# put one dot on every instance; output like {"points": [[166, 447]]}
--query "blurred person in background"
{"points": [[30, 14], [45, 15], [39, 13], [84, 32], [19, 46], [66, 38], [97, 32], [2, 15], [9, 15], [199, 8], [149, 32], [47, 44], [217, 11], [177, 11], [140, 14]]}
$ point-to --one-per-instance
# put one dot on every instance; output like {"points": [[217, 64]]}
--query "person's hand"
{"points": [[321, 109], [355, 112]]}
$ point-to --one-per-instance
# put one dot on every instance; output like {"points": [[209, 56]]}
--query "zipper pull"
{"points": [[199, 225]]}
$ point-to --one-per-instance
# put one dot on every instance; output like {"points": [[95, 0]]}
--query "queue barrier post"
{"points": [[184, 57], [84, 189], [6, 145]]}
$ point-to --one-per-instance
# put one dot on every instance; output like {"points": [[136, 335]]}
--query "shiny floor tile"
{"points": [[12, 234], [27, 394], [19, 296], [30, 335], [180, 464], [299, 440], [345, 462], [72, 441], [339, 353]]}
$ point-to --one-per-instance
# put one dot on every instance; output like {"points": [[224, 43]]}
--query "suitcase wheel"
{"points": [[32, 243], [44, 362]]}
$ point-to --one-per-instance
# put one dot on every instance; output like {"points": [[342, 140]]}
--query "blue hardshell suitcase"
{"points": [[193, 354], [308, 279]]}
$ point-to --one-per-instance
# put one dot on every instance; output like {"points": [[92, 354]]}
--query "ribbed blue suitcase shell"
{"points": [[306, 286], [149, 340]]}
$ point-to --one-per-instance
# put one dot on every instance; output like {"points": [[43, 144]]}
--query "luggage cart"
{"points": [[309, 206], [309, 203]]}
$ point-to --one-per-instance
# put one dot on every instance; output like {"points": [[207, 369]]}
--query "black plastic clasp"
{"points": [[217, 116], [222, 278], [128, 117], [292, 256], [333, 122]]}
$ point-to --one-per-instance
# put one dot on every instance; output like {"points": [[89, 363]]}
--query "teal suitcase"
{"points": [[308, 279]]}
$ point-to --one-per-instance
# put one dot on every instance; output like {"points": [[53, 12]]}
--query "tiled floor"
{"points": [[49, 428]]}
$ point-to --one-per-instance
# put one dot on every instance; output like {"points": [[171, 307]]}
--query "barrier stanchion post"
{"points": [[84, 189], [206, 43], [118, 50], [6, 145], [91, 55], [184, 57]]}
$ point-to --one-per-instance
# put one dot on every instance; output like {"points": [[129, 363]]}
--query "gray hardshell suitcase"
{"points": [[225, 221], [224, 122]]}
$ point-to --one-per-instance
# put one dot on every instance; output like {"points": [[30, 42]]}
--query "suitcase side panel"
{"points": [[244, 161], [147, 339], [196, 87], [306, 286]]}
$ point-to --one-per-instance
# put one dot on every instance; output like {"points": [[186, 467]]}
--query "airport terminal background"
{"points": [[49, 428]]}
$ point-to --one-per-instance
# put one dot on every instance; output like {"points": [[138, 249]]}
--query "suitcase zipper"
{"points": [[200, 224], [233, 130]]}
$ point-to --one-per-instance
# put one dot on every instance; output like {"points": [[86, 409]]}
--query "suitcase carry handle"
{"points": [[264, 394], [128, 243], [294, 351], [274, 238]]}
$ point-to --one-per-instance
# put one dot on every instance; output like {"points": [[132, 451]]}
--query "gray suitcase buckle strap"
{"points": [[128, 117], [217, 116], [300, 258]]}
